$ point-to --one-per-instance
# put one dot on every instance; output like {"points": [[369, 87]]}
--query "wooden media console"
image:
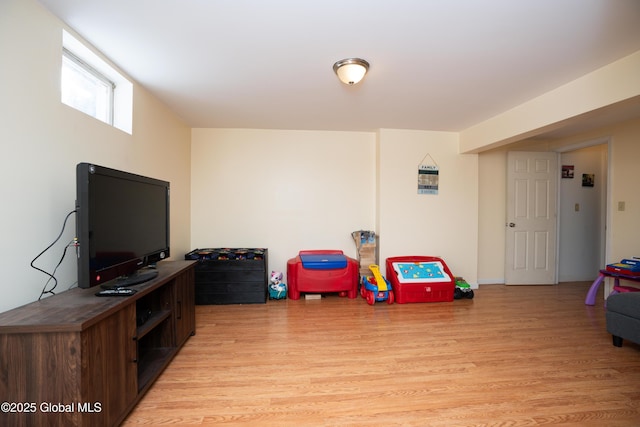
{"points": [[78, 359]]}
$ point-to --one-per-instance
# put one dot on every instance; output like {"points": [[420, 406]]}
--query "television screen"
{"points": [[122, 225]]}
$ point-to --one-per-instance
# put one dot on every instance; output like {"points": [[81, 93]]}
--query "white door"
{"points": [[531, 218]]}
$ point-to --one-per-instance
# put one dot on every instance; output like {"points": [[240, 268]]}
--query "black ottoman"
{"points": [[623, 317]]}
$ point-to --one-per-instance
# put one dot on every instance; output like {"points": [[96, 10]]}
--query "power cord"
{"points": [[52, 275]]}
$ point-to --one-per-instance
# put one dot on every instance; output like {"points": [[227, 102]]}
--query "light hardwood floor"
{"points": [[512, 356]]}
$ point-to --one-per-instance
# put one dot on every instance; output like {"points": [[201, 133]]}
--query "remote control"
{"points": [[116, 292]]}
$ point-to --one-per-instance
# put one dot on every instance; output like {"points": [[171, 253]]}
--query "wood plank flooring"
{"points": [[512, 356]]}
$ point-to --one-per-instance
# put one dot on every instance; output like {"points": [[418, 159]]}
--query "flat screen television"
{"points": [[122, 226]]}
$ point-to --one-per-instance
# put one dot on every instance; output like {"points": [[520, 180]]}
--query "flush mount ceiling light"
{"points": [[351, 70]]}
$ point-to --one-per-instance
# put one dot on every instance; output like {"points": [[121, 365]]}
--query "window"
{"points": [[89, 84], [85, 89]]}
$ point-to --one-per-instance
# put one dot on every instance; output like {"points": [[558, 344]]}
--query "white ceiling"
{"points": [[435, 64]]}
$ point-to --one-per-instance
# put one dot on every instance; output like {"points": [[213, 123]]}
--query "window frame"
{"points": [[87, 68], [88, 58]]}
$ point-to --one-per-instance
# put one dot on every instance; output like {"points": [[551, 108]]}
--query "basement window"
{"points": [[90, 85], [85, 89]]}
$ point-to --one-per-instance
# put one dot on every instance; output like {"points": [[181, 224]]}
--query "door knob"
{"points": [[512, 224]]}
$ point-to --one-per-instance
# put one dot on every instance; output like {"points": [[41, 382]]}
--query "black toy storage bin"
{"points": [[230, 275]]}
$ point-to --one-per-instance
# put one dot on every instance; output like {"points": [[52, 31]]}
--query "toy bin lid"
{"points": [[323, 261]]}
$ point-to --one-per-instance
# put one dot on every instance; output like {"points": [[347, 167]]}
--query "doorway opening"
{"points": [[583, 204]]}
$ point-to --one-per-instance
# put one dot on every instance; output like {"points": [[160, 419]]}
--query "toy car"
{"points": [[462, 290], [376, 288]]}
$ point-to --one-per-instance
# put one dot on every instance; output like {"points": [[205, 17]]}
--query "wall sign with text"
{"points": [[428, 179]]}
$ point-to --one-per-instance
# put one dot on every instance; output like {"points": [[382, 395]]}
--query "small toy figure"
{"points": [[463, 289], [277, 289]]}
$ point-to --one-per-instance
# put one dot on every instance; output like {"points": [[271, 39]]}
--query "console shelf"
{"points": [[153, 321], [153, 362], [78, 349]]}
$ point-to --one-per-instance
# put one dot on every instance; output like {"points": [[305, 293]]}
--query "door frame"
{"points": [[606, 140]]}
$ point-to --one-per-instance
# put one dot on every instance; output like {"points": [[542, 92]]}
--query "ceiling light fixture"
{"points": [[351, 70]]}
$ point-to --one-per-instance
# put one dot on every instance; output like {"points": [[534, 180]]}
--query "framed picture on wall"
{"points": [[588, 179], [567, 171]]}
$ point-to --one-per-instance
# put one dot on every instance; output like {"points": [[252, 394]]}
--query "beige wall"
{"points": [[445, 224], [42, 140], [492, 211], [284, 190]]}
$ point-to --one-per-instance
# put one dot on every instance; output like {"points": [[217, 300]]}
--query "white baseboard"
{"points": [[491, 281]]}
